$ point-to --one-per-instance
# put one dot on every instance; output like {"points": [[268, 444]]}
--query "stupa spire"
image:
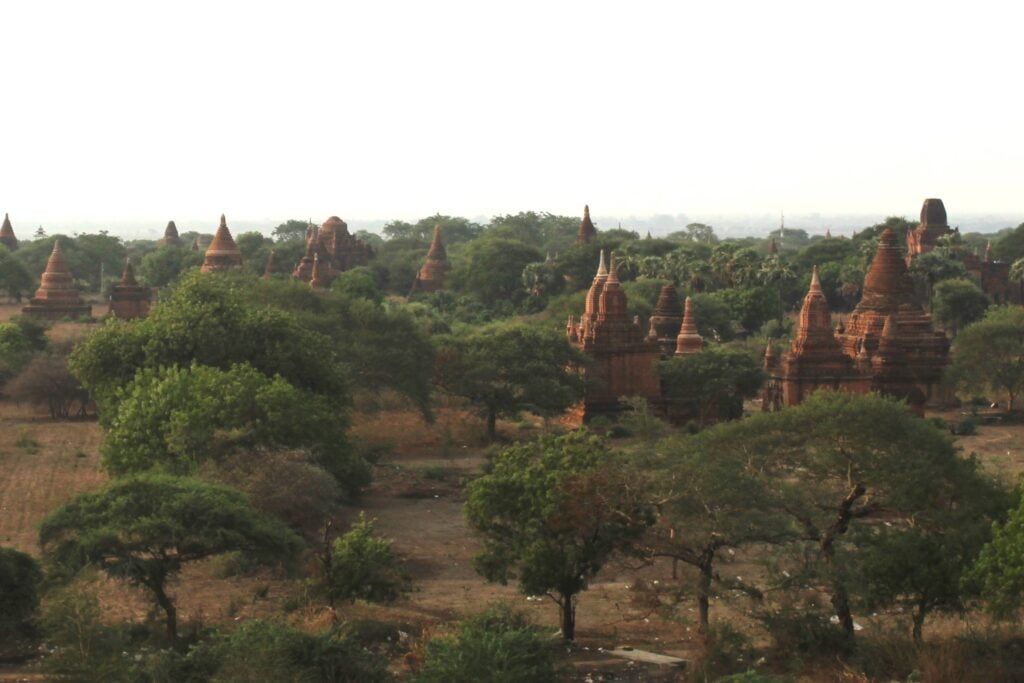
{"points": [[689, 340], [128, 275], [7, 237], [587, 231], [223, 253]]}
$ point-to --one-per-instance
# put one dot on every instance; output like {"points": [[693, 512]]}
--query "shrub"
{"points": [[364, 566], [498, 645], [270, 651], [46, 381], [82, 648], [19, 580]]}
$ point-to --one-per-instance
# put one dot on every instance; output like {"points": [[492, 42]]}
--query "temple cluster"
{"points": [[624, 359]]}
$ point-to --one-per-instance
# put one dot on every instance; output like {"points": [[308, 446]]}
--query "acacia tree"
{"points": [[505, 369], [837, 463], [551, 513], [708, 501], [989, 355], [145, 528]]}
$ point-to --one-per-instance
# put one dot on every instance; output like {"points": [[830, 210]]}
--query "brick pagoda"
{"points": [[666, 319], [435, 267], [171, 237], [223, 253], [7, 237], [587, 231], [128, 299], [688, 341], [57, 296]]}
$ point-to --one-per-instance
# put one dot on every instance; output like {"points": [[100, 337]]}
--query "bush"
{"points": [[726, 651], [270, 651], [19, 581], [46, 381], [362, 566], [498, 645], [82, 649]]}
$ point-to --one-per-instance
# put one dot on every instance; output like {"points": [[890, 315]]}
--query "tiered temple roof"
{"points": [[7, 237], [171, 236], [587, 231], [57, 296], [128, 299], [223, 253], [623, 358]]}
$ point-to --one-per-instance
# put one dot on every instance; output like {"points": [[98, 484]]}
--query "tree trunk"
{"points": [[919, 614], [568, 605], [704, 596], [172, 613], [492, 425], [841, 603]]}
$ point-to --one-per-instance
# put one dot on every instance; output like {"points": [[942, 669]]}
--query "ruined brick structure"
{"points": [[128, 299], [623, 359], [171, 237], [318, 277], [57, 296], [431, 275], [7, 237], [887, 344], [271, 268], [337, 249], [666, 319], [587, 231], [223, 253], [992, 276]]}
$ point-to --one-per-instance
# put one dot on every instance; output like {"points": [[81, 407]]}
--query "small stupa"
{"points": [[57, 296], [223, 253], [171, 237], [435, 267], [689, 340], [587, 231], [7, 237], [271, 267], [128, 299]]}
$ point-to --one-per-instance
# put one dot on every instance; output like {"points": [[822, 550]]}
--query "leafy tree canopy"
{"points": [[958, 302], [551, 513], [989, 354], [145, 528]]}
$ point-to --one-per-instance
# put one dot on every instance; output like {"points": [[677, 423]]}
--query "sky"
{"points": [[141, 112]]}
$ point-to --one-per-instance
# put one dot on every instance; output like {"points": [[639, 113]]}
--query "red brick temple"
{"points": [[318, 278], [992, 276], [7, 237], [57, 296], [887, 345], [338, 250], [223, 253], [435, 267], [171, 237], [128, 299], [623, 358]]}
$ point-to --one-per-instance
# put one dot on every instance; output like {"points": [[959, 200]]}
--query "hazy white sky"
{"points": [[146, 111]]}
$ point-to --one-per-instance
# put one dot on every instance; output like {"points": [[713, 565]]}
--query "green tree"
{"points": [[145, 528], [363, 566], [358, 283], [711, 384], [209, 320], [551, 513], [162, 267], [989, 354], [752, 307], [15, 280], [1010, 245], [837, 464], [709, 503], [999, 571], [20, 577], [505, 369], [176, 418], [957, 303], [291, 230], [491, 269]]}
